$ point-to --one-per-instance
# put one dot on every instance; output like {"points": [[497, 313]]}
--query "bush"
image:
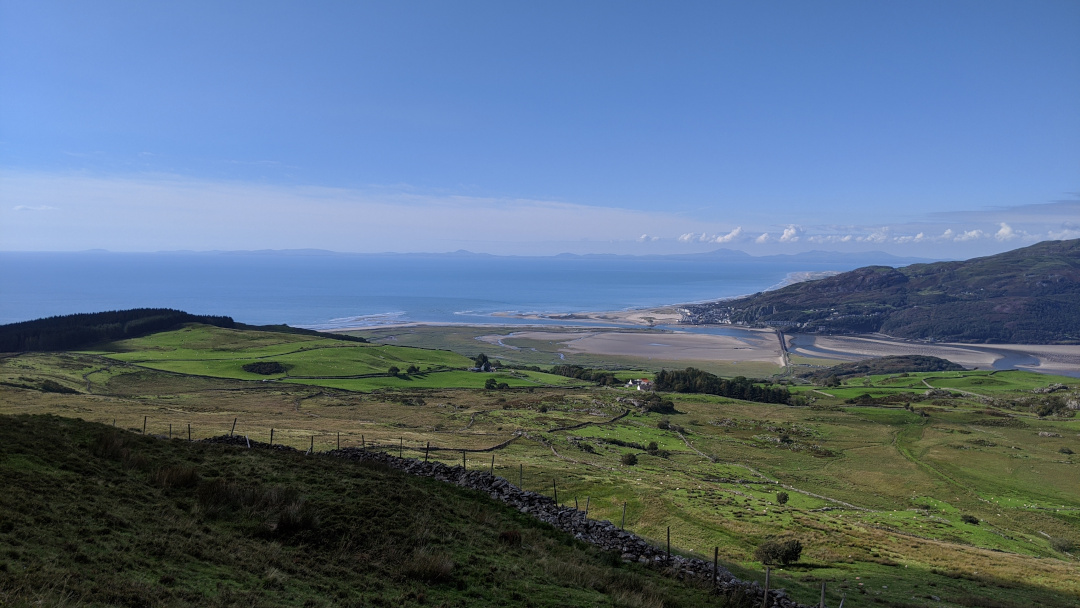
{"points": [[264, 368], [1065, 451], [629, 459], [781, 498], [394, 370], [783, 552], [510, 537], [969, 519], [1062, 545], [176, 477]]}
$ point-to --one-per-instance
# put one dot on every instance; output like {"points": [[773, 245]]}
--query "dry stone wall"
{"points": [[603, 534]]}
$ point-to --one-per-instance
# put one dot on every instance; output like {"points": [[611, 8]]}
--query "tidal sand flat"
{"points": [[761, 346], [1044, 358]]}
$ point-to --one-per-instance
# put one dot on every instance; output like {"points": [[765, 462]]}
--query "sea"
{"points": [[327, 290]]}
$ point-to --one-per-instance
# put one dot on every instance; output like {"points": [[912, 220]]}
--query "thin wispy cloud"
{"points": [[162, 212], [33, 208]]}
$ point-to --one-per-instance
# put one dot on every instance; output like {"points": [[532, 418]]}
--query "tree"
{"points": [[393, 371], [629, 459], [490, 384], [412, 370], [779, 551], [781, 498]]}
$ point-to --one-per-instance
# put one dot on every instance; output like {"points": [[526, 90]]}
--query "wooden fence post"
{"points": [[144, 424], [575, 504], [426, 450], [170, 430], [669, 545], [233, 427], [623, 526], [401, 446], [765, 600], [311, 450], [822, 603], [363, 445], [463, 468], [587, 507], [491, 471], [189, 431], [339, 440], [555, 490], [715, 558], [271, 436], [521, 476]]}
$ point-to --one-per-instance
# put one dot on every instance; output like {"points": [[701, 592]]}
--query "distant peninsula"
{"points": [[1024, 296]]}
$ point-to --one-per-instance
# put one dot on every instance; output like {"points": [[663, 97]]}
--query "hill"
{"points": [[140, 521], [1029, 295], [899, 364], [71, 332]]}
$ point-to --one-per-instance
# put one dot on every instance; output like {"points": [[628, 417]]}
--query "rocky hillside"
{"points": [[1028, 295]]}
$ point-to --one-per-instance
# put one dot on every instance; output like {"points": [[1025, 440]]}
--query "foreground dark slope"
{"points": [[1028, 295], [90, 516]]}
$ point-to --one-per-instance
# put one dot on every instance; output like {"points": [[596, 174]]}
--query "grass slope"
{"points": [[92, 517]]}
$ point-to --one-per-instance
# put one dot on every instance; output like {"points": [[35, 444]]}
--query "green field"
{"points": [[957, 498]]}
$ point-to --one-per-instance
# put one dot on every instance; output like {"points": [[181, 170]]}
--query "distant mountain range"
{"points": [[722, 254], [1028, 295]]}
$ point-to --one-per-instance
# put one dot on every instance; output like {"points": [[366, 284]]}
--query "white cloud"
{"points": [[918, 238], [970, 235], [791, 234], [33, 208], [731, 236], [1006, 233], [1063, 234], [686, 238], [764, 238], [948, 234]]}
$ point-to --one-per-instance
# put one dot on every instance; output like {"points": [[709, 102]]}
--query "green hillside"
{"points": [[91, 516], [1029, 295]]}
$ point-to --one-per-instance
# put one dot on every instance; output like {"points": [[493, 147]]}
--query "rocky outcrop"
{"points": [[603, 534]]}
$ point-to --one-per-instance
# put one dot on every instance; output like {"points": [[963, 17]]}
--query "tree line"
{"points": [[66, 332], [599, 376], [692, 380]]}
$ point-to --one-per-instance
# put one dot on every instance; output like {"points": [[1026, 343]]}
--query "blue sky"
{"points": [[944, 129]]}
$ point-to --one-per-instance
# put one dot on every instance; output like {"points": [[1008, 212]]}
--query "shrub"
{"points": [[394, 370], [412, 369], [428, 567], [781, 498], [629, 459], [510, 537], [264, 368], [969, 519], [663, 424], [786, 551], [1061, 544], [1065, 450], [176, 477]]}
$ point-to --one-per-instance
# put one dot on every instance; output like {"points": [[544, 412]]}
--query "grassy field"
{"points": [[141, 522], [951, 498]]}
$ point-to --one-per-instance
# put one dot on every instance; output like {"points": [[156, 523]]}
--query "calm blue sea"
{"points": [[325, 290]]}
